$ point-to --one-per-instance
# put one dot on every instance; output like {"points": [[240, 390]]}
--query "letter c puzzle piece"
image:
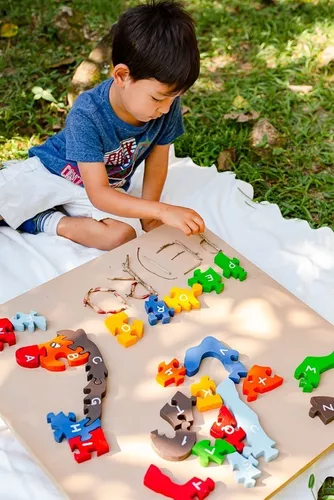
{"points": [[127, 335]]}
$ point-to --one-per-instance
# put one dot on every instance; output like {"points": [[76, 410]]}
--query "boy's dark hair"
{"points": [[157, 40]]}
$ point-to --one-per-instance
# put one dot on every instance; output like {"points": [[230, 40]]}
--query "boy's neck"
{"points": [[117, 105]]}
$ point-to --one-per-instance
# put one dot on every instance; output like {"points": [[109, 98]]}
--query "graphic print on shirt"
{"points": [[72, 174]]}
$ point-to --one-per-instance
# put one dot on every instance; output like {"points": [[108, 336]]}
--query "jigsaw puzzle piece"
{"points": [[246, 471], [158, 482], [157, 310], [22, 320], [205, 392], [259, 443], [209, 279], [226, 428], [83, 449], [323, 406], [180, 413], [309, 371], [216, 453], [127, 335], [174, 449], [66, 426], [29, 356], [259, 381], [95, 391], [59, 348], [230, 267], [169, 374], [184, 299], [7, 335]]}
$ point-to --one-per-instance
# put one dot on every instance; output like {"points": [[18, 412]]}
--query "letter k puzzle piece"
{"points": [[7, 335], [209, 279], [230, 267], [183, 299], [23, 320], [259, 381], [216, 453], [127, 335], [157, 310], [169, 374], [309, 371], [205, 390]]}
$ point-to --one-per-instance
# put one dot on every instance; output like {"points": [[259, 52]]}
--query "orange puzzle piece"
{"points": [[171, 373], [127, 335], [58, 348], [205, 393], [184, 299], [259, 381]]}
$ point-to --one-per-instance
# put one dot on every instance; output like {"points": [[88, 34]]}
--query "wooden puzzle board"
{"points": [[258, 317]]}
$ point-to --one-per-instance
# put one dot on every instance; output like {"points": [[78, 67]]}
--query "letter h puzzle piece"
{"points": [[29, 321], [184, 299], [209, 279], [157, 310], [66, 426], [230, 267], [7, 335], [172, 373], [226, 428], [207, 399], [127, 335]]}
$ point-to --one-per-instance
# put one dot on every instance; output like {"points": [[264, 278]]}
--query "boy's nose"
{"points": [[164, 108]]}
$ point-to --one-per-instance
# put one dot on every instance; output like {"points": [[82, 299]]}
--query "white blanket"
{"points": [[298, 257]]}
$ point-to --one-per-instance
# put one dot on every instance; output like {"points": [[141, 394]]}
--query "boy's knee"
{"points": [[117, 237]]}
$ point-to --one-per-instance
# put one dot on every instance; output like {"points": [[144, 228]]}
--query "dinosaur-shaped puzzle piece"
{"points": [[226, 428], [216, 453], [212, 347], [309, 371], [59, 348], [177, 448], [22, 320], [184, 299], [172, 373], [246, 471], [180, 413], [209, 279], [127, 335], [259, 381], [83, 449], [204, 391], [66, 426], [95, 391], [195, 488], [230, 267], [157, 310], [7, 335], [323, 406]]}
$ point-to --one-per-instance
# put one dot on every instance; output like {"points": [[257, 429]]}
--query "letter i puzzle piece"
{"points": [[127, 335], [207, 399], [157, 310], [169, 374], [7, 335], [184, 299]]}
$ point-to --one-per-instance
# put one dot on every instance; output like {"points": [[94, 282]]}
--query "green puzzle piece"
{"points": [[230, 267], [209, 279], [309, 371], [216, 453]]}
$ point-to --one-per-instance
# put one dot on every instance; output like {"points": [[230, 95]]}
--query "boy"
{"points": [[110, 129]]}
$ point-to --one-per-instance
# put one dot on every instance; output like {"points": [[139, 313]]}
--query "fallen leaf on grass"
{"points": [[65, 61], [301, 89], [242, 117], [264, 133], [226, 159], [327, 56], [240, 102], [185, 110], [8, 30]]}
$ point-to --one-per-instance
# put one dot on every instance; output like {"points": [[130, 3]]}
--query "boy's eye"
{"points": [[156, 100]]}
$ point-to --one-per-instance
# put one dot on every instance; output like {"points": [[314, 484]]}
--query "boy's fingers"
{"points": [[200, 222], [186, 229], [193, 226]]}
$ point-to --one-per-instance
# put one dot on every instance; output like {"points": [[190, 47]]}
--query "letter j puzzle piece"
{"points": [[127, 335]]}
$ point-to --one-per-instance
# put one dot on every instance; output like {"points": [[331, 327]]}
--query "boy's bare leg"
{"points": [[105, 235]]}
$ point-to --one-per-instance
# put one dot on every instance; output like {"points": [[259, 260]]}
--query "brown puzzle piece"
{"points": [[323, 406], [175, 449], [181, 413], [95, 391]]}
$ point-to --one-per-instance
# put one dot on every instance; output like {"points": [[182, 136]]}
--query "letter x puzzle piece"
{"points": [[309, 371], [212, 347], [259, 381], [246, 471], [83, 449], [323, 406], [157, 310], [180, 412], [226, 428], [195, 488], [7, 335], [209, 279], [230, 267], [216, 453], [205, 392], [66, 426], [172, 373], [184, 299], [127, 335], [30, 321]]}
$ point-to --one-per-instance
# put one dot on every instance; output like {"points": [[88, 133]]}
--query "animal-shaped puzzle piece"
{"points": [[83, 449], [157, 310], [204, 391], [323, 406], [29, 356], [177, 448], [7, 335], [59, 348], [184, 299], [258, 442], [259, 381], [209, 279], [309, 371], [127, 335], [246, 471], [172, 373], [180, 412], [195, 488], [95, 392], [22, 320], [230, 267], [226, 428], [66, 426], [216, 453], [212, 347]]}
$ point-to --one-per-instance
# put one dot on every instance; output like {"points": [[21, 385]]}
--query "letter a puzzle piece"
{"points": [[66, 426], [309, 371], [183, 299], [23, 320], [172, 373], [259, 381], [7, 335], [323, 406], [216, 453], [156, 481], [246, 471], [83, 449], [157, 310], [225, 428], [207, 399], [127, 335], [177, 448], [180, 413], [29, 356], [209, 279], [230, 267], [59, 348]]}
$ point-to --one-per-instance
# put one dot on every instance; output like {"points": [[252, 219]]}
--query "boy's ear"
{"points": [[121, 74]]}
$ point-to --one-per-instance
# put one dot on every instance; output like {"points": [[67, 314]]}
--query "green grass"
{"points": [[245, 49]]}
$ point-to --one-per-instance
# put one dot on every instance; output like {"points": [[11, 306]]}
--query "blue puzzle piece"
{"points": [[22, 320], [211, 347], [157, 310], [246, 471], [258, 443], [66, 426]]}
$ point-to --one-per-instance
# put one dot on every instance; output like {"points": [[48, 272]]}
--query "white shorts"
{"points": [[28, 188]]}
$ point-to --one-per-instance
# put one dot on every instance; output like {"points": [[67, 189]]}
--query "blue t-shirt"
{"points": [[94, 133]]}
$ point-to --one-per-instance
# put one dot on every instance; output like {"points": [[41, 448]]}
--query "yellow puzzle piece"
{"points": [[205, 391], [127, 335], [184, 299]]}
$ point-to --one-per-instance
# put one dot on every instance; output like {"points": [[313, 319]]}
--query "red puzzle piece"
{"points": [[259, 380], [195, 488], [226, 428], [7, 335], [28, 356], [171, 373], [83, 449]]}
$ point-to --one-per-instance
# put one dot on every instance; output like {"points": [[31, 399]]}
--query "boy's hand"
{"points": [[182, 218]]}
